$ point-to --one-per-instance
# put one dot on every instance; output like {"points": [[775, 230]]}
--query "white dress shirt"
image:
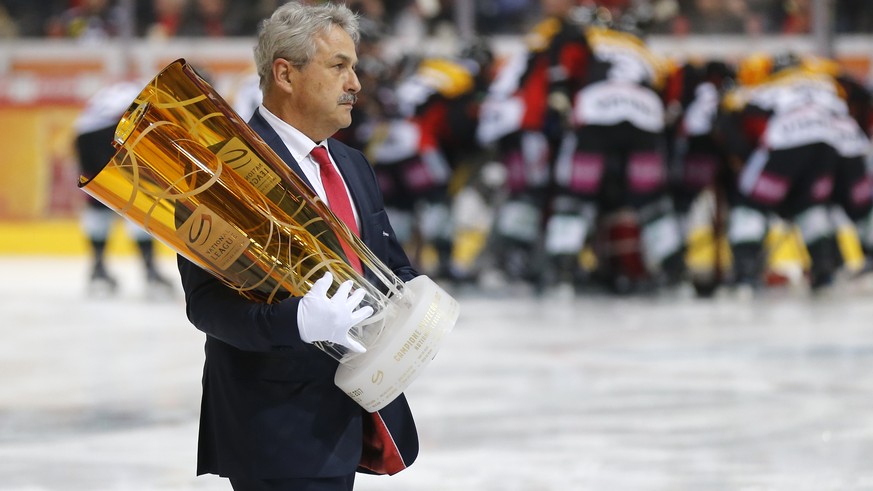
{"points": [[300, 146]]}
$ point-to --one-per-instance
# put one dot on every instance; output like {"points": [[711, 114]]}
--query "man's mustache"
{"points": [[348, 98]]}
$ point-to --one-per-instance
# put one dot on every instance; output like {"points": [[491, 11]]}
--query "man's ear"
{"points": [[283, 74]]}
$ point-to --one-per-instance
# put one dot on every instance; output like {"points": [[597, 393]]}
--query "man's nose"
{"points": [[353, 85]]}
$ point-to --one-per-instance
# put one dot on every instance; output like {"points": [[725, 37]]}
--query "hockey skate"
{"points": [[101, 284]]}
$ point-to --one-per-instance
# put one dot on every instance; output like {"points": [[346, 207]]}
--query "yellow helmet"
{"points": [[754, 69], [818, 64]]}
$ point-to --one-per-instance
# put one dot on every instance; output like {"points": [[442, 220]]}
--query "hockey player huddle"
{"points": [[588, 160]]}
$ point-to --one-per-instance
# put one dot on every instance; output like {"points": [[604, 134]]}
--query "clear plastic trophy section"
{"points": [[198, 179]]}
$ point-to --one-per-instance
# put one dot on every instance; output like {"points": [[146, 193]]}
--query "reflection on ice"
{"points": [[552, 394]]}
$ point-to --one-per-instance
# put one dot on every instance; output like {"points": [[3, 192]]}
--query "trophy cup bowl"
{"points": [[191, 173]]}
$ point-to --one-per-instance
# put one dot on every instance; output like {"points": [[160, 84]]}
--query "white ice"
{"points": [[598, 393]]}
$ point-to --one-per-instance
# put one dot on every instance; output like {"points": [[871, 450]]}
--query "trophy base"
{"points": [[407, 344]]}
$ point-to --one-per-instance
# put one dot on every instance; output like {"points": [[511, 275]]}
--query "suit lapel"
{"points": [[271, 138], [338, 152]]}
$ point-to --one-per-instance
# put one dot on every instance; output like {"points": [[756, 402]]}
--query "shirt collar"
{"points": [[297, 143]]}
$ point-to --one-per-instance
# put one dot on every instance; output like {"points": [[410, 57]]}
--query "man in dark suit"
{"points": [[271, 416]]}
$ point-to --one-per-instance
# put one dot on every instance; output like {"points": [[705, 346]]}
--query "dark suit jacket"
{"points": [[270, 408]]}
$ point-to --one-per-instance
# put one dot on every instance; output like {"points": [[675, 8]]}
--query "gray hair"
{"points": [[290, 34]]}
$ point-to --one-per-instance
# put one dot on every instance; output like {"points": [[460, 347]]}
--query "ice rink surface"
{"points": [[668, 393]]}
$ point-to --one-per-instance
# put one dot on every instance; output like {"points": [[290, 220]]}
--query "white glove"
{"points": [[320, 318]]}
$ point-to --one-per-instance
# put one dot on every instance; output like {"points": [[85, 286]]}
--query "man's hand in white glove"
{"points": [[320, 318]]}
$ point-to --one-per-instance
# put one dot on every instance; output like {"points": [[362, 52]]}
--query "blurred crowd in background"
{"points": [[588, 160], [585, 158], [88, 19]]}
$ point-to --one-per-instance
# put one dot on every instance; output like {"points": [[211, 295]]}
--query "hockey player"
{"points": [[789, 120], [615, 156], [853, 183], [95, 131], [698, 157], [524, 125], [431, 137], [700, 178]]}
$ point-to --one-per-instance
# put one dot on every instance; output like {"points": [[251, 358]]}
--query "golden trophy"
{"points": [[196, 177]]}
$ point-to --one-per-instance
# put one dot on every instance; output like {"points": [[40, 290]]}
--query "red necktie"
{"points": [[337, 199]]}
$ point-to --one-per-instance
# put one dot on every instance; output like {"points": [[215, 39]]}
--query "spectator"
{"points": [[504, 16], [854, 16], [761, 16], [167, 17], [713, 17], [28, 18], [211, 18], [7, 24], [91, 20], [797, 17]]}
